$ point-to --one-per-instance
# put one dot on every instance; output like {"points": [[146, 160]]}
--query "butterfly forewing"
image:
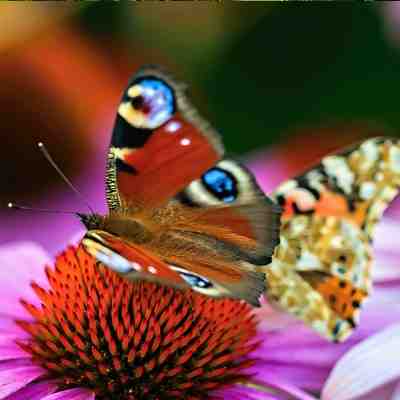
{"points": [[159, 142]]}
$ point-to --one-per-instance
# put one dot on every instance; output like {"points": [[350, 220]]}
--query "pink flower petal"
{"points": [[71, 394], [77, 237], [283, 388], [269, 171], [9, 349], [386, 236], [16, 377], [8, 326], [367, 366], [20, 263], [396, 392], [34, 391], [241, 393], [297, 354], [303, 376]]}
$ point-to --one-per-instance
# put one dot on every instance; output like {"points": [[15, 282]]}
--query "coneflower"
{"points": [[130, 340], [83, 333]]}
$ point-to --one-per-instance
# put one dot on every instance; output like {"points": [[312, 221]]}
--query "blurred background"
{"points": [[284, 83]]}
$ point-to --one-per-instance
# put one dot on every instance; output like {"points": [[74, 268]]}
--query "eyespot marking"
{"points": [[221, 183], [148, 104]]}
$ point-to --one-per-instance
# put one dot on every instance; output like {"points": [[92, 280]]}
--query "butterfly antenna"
{"points": [[48, 157], [44, 210]]}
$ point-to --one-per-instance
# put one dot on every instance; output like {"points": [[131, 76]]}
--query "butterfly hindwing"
{"points": [[321, 271], [239, 204]]}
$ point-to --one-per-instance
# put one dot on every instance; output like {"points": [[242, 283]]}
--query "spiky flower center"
{"points": [[134, 340]]}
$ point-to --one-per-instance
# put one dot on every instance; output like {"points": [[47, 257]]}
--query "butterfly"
{"points": [[164, 158], [321, 270], [184, 215]]}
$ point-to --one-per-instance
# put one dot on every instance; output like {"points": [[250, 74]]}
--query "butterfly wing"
{"points": [[159, 143], [321, 270], [187, 248], [160, 147]]}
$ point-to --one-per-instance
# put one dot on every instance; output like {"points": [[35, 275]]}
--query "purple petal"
{"points": [[396, 392], [386, 236], [71, 394], [366, 367], [297, 354], [282, 387], [20, 263], [17, 376], [303, 376], [241, 393], [7, 365], [270, 171], [8, 326], [9, 349], [34, 391]]}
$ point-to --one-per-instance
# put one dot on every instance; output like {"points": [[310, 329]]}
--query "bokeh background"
{"points": [[283, 82]]}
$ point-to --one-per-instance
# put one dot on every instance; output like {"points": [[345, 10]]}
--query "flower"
{"points": [[289, 358], [86, 333], [290, 361]]}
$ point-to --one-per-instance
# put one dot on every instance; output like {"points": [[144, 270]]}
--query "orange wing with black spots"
{"points": [[321, 271]]}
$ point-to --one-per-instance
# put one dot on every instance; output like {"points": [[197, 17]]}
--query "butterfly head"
{"points": [[91, 221]]}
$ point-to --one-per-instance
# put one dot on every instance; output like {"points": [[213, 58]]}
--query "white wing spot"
{"points": [[185, 142], [136, 266], [152, 269], [172, 126]]}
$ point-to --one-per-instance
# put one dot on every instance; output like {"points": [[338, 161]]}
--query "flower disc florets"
{"points": [[134, 340]]}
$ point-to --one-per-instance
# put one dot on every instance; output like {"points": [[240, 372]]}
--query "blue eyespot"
{"points": [[196, 281], [155, 101], [222, 184]]}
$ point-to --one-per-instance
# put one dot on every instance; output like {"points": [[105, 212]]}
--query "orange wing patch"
{"points": [[342, 296]]}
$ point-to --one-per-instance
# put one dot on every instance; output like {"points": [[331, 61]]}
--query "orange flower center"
{"points": [[134, 340]]}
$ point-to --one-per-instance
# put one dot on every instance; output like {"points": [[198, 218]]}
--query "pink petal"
{"points": [[16, 377], [71, 394], [9, 349], [303, 376], [297, 354], [77, 237], [8, 326], [382, 393], [20, 263], [269, 171], [396, 392], [34, 391], [367, 366], [386, 236], [241, 393], [283, 388]]}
